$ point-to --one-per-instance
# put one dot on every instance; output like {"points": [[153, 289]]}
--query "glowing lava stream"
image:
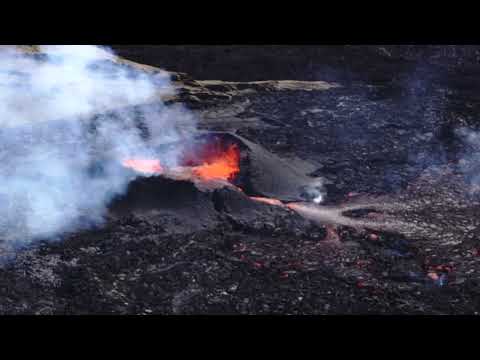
{"points": [[333, 215], [269, 201]]}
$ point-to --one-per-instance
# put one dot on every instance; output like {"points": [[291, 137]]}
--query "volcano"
{"points": [[227, 157], [348, 190]]}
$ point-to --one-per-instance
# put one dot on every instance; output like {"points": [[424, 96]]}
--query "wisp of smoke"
{"points": [[469, 164], [63, 111]]}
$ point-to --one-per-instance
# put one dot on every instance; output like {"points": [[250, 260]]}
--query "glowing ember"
{"points": [[223, 166], [144, 166]]}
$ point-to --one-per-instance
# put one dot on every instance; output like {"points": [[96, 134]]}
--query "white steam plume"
{"points": [[48, 145]]}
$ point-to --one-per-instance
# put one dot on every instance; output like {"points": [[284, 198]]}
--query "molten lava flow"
{"points": [[267, 200], [223, 166], [144, 166]]}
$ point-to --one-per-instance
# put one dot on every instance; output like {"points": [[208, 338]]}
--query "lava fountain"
{"points": [[216, 164], [223, 166]]}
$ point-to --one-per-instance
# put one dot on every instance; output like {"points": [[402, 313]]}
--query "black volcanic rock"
{"points": [[328, 63]]}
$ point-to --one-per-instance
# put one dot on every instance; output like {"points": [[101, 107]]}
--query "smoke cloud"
{"points": [[69, 115]]}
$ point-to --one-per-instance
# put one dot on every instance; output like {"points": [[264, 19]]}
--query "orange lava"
{"points": [[223, 166], [266, 200], [144, 166], [219, 165]]}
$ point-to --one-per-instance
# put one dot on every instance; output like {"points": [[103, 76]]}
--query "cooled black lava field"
{"points": [[389, 132]]}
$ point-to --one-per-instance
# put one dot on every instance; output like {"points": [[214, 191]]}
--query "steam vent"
{"points": [[302, 180]]}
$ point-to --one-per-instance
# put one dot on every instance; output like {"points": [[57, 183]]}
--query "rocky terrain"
{"points": [[380, 125]]}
